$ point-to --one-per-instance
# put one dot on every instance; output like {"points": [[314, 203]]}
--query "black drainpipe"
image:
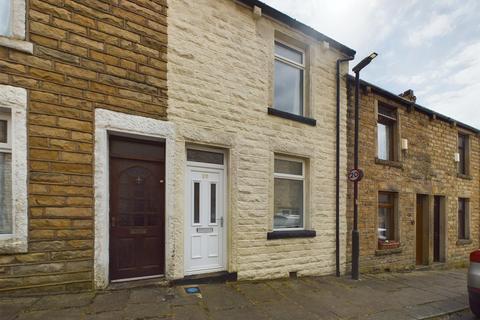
{"points": [[337, 199]]}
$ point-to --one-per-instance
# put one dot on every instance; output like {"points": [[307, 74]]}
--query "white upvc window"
{"points": [[13, 170], [289, 95], [289, 194], [13, 25]]}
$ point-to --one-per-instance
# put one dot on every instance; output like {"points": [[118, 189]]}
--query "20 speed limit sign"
{"points": [[355, 175]]}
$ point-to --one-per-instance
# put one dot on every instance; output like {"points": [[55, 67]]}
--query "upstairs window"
{"points": [[13, 25], [289, 194], [386, 128], [463, 219], [463, 153], [5, 174], [289, 79]]}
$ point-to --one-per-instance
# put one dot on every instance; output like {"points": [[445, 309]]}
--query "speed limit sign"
{"points": [[355, 175]]}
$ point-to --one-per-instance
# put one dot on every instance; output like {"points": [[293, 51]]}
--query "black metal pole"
{"points": [[337, 173], [355, 233]]}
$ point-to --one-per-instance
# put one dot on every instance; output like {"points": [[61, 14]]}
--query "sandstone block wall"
{"points": [[87, 54], [427, 168]]}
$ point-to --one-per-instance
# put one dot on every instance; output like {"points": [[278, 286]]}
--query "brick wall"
{"points": [[87, 54], [427, 167]]}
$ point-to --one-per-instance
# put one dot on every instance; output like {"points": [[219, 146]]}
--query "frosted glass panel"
{"points": [[5, 9]]}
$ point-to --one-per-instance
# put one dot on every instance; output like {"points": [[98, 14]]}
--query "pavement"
{"points": [[437, 294]]}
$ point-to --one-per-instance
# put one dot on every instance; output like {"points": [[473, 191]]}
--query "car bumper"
{"points": [[474, 299]]}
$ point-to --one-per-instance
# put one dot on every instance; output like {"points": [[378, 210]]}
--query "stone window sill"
{"points": [[386, 252], [462, 242], [291, 116], [389, 163], [464, 176], [20, 45], [287, 234], [12, 244]]}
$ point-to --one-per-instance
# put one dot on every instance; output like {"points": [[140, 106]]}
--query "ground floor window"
{"points": [[386, 218], [13, 170], [289, 193], [463, 219]]}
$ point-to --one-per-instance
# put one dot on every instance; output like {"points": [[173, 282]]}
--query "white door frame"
{"points": [[207, 166], [107, 122]]}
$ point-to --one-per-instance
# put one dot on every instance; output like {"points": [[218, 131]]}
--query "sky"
{"points": [[431, 47]]}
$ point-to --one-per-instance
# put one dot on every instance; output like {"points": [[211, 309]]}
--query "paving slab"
{"points": [[414, 295]]}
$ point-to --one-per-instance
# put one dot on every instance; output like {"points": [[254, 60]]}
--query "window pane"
{"points": [[288, 53], [288, 88], [5, 9], [213, 203], [288, 167], [204, 156], [386, 216], [387, 112], [385, 224], [384, 138], [5, 193], [288, 204], [3, 131], [462, 150], [196, 202]]}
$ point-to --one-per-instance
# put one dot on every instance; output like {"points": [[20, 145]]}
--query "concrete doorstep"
{"points": [[416, 295]]}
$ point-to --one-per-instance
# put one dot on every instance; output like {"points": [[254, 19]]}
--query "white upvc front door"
{"points": [[205, 220]]}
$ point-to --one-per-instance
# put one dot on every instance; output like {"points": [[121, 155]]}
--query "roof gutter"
{"points": [[410, 104], [295, 24]]}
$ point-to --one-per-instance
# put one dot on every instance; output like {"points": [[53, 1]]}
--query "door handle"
{"points": [[113, 222], [221, 222]]}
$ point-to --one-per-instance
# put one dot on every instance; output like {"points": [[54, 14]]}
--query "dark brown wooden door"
{"points": [[436, 229], [137, 208]]}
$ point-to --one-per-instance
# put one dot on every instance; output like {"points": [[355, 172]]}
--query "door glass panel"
{"points": [[213, 203], [204, 156], [196, 202]]}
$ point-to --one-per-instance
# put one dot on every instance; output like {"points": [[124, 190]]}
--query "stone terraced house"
{"points": [[74, 74], [100, 182], [419, 200], [99, 185]]}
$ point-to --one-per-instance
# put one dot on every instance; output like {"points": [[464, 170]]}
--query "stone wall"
{"points": [[427, 167], [87, 54], [220, 75]]}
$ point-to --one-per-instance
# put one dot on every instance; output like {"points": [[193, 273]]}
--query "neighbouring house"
{"points": [[419, 199], [72, 72]]}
